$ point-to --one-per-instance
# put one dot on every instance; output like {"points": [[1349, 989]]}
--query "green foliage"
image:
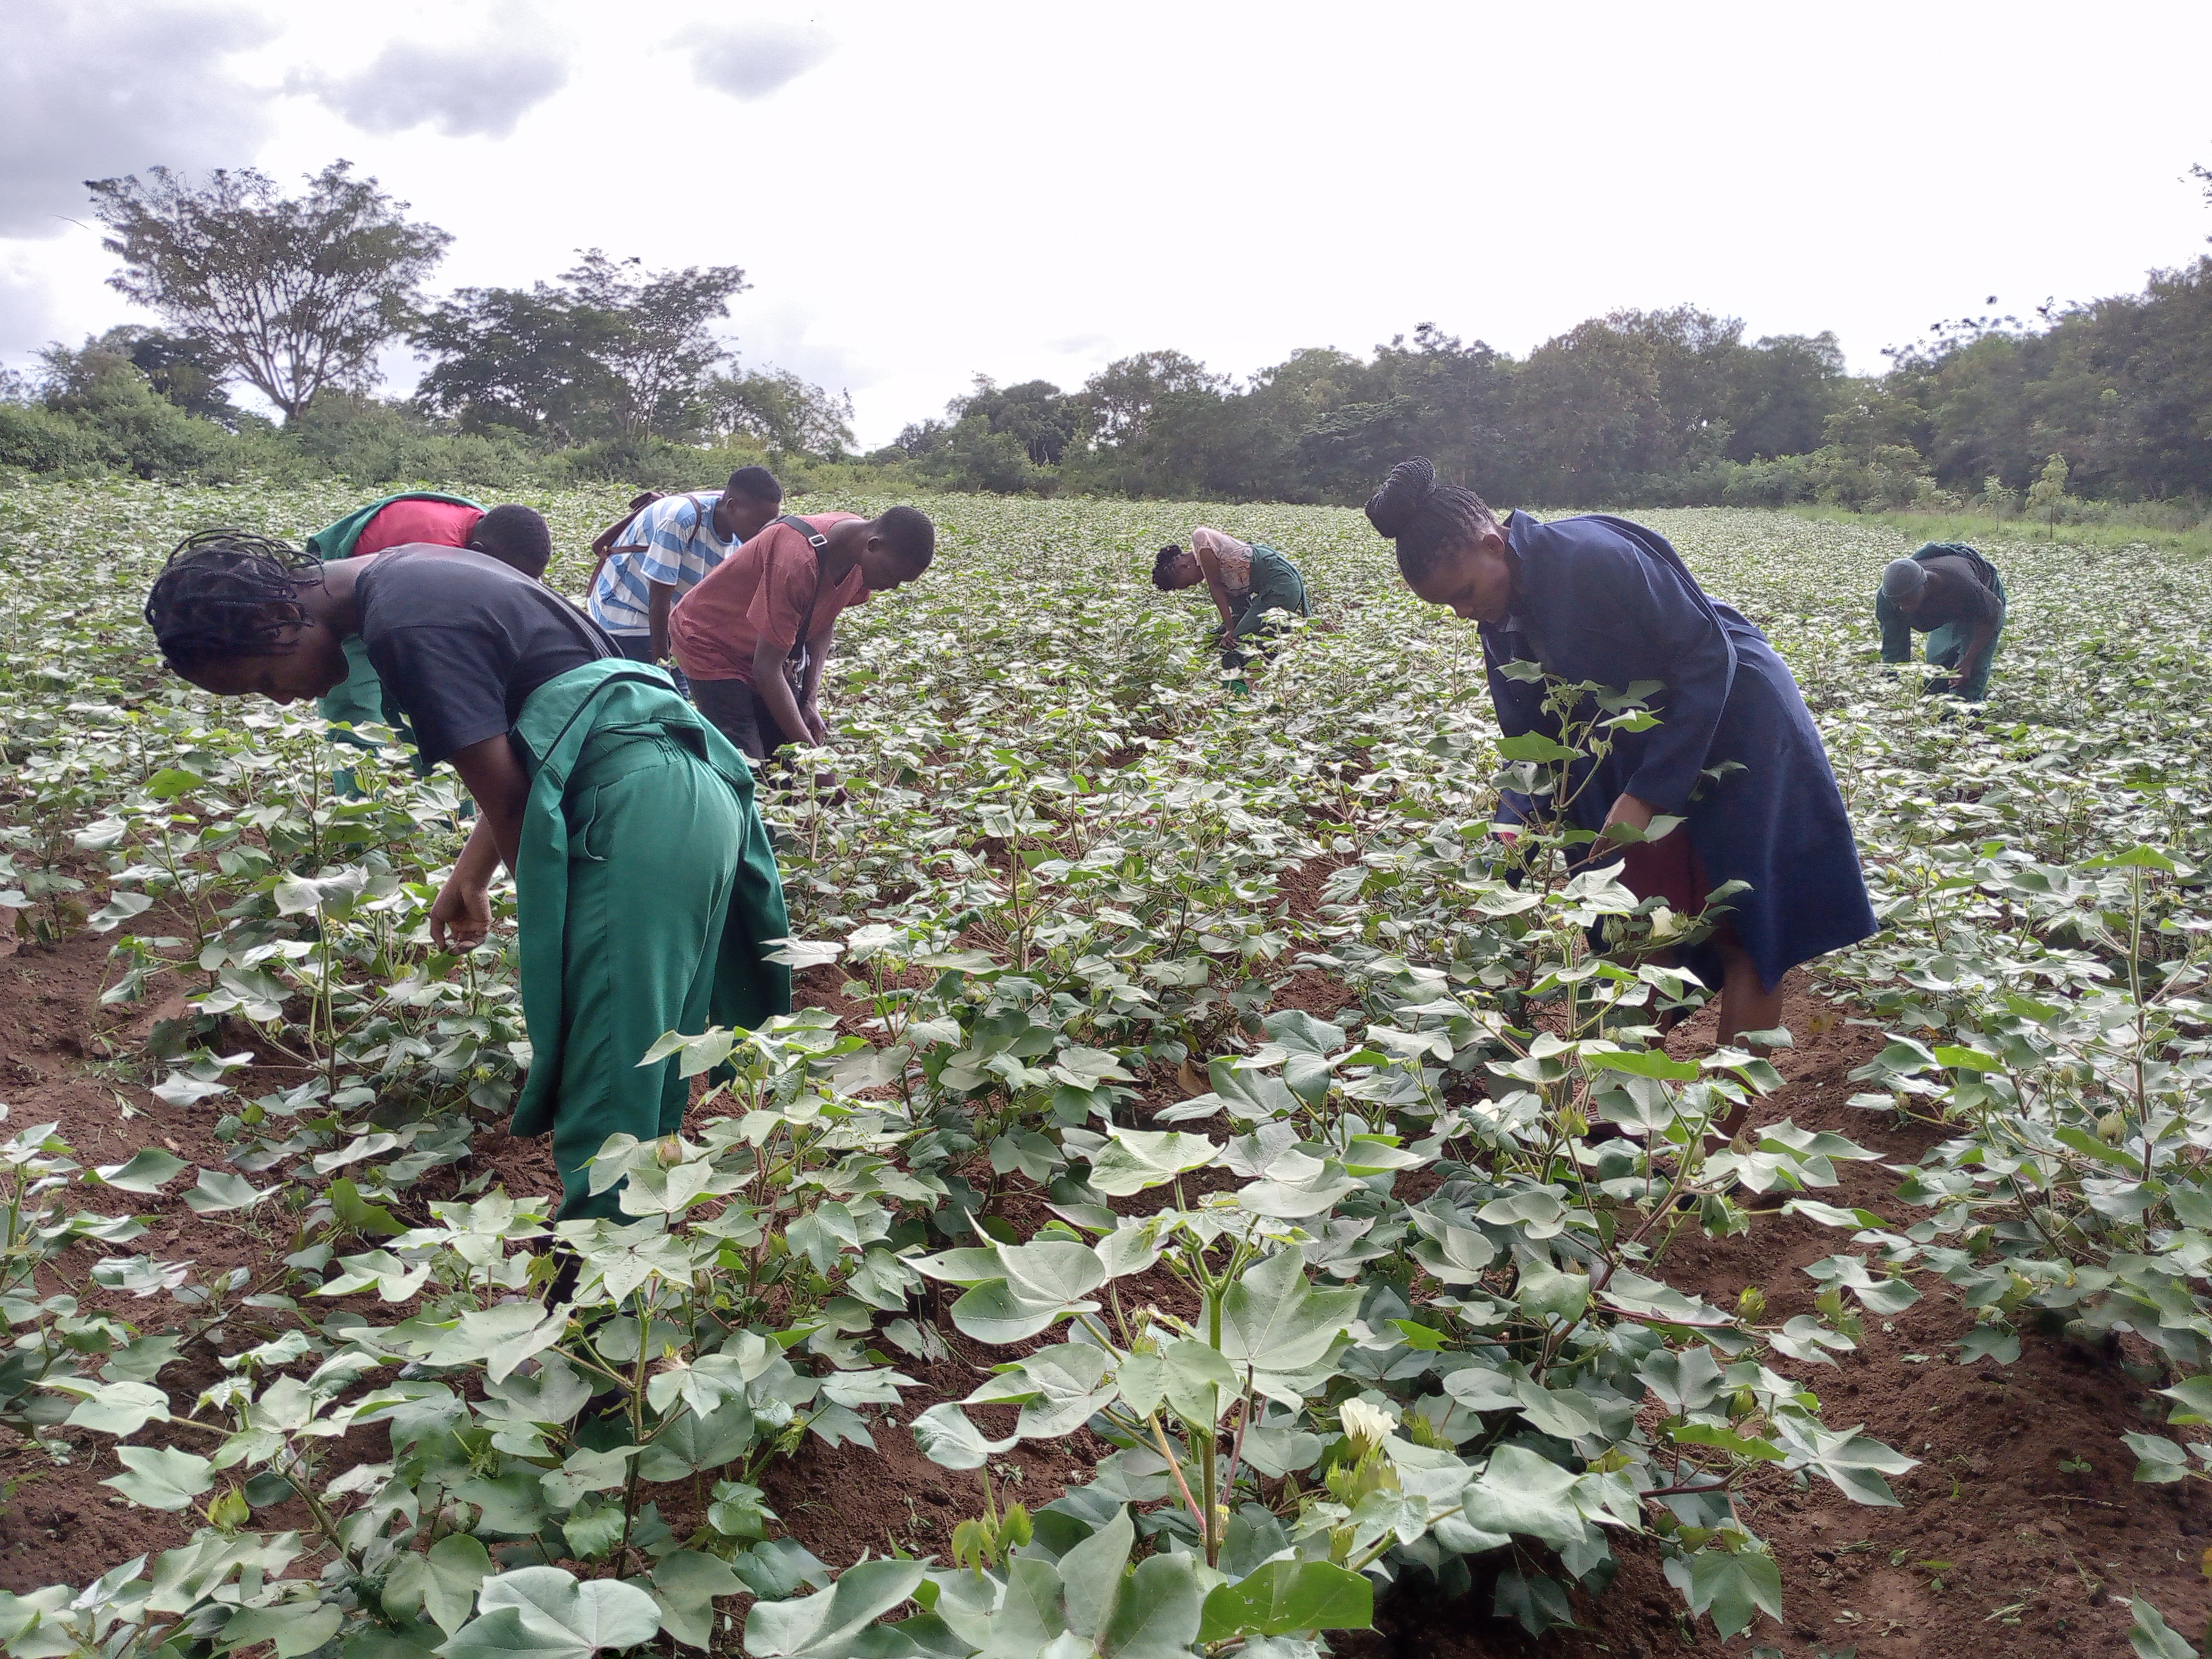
{"points": [[600, 352], [290, 294], [1068, 884]]}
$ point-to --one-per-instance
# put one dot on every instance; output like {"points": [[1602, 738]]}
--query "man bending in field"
{"points": [[1954, 595], [515, 536], [754, 634], [1247, 581], [667, 549]]}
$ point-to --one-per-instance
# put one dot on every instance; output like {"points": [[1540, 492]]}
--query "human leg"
{"points": [[732, 708], [652, 860], [1745, 1006]]}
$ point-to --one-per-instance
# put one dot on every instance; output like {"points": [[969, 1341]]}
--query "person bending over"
{"points": [[645, 893], [1599, 599], [1954, 595], [755, 633], [666, 549], [515, 536], [1247, 580]]}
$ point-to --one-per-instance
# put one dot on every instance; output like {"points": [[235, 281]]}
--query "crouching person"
{"points": [[753, 635], [513, 535], [1248, 581], [644, 888]]}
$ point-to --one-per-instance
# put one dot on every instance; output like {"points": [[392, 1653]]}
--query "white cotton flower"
{"points": [[1366, 1426]]}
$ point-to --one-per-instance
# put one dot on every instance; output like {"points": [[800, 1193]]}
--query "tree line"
{"points": [[298, 296], [623, 367], [1673, 407]]}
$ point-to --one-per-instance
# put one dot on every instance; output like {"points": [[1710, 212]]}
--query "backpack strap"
{"points": [[819, 541]]}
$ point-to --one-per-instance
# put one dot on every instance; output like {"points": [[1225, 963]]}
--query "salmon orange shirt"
{"points": [[766, 590], [440, 523]]}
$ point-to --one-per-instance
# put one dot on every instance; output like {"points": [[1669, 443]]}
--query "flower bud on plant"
{"points": [[2111, 1127], [1751, 1303], [1365, 1426]]}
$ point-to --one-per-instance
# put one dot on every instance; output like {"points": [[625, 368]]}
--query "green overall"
{"points": [[645, 890], [1276, 586], [1946, 644], [359, 699]]}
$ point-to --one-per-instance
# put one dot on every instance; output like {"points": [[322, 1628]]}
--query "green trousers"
{"points": [[1947, 644], [653, 850]]}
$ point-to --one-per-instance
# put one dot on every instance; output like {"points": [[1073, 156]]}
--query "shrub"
{"points": [[38, 441]]}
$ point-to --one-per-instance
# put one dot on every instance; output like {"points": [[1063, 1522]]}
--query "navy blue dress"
{"points": [[1599, 598]]}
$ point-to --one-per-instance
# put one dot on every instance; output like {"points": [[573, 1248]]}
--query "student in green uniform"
{"points": [[1247, 580], [1950, 592], [515, 536], [646, 892]]}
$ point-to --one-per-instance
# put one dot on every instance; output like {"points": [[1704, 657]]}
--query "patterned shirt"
{"points": [[674, 541]]}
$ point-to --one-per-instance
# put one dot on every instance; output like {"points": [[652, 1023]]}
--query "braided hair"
{"points": [[1427, 519], [1164, 568], [227, 593]]}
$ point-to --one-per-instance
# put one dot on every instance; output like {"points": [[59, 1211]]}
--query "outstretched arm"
{"points": [[1975, 659], [1211, 567], [1896, 631], [774, 689], [810, 694], [461, 917]]}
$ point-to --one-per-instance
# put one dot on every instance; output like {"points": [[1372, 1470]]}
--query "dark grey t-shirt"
{"points": [[1955, 595], [461, 641]]}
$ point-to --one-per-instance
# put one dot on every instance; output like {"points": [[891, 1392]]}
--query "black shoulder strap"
{"points": [[818, 540], [820, 543]]}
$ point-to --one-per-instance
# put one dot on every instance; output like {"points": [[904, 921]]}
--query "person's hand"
{"points": [[461, 917], [817, 727], [1628, 810]]}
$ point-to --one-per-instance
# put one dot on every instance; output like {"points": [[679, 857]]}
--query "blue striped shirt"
{"points": [[673, 541]]}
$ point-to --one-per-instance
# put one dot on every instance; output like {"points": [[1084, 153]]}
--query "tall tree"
{"points": [[291, 294], [782, 410], [609, 350], [1124, 394], [514, 357], [656, 343]]}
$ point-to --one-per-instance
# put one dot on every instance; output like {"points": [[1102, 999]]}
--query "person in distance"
{"points": [[665, 548], [645, 893], [1247, 580], [1599, 599], [515, 536], [1950, 592], [753, 635]]}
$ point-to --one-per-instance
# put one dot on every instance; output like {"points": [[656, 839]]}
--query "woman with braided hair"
{"points": [[1599, 599], [645, 893]]}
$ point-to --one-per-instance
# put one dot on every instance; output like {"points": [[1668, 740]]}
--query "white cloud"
{"points": [[471, 90], [93, 90], [752, 59]]}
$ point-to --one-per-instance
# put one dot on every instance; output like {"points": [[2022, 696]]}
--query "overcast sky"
{"points": [[920, 193]]}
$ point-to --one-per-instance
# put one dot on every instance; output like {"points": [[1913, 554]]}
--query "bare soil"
{"points": [[2003, 1544]]}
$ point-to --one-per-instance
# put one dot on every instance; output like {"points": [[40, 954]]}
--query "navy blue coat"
{"points": [[1599, 598]]}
